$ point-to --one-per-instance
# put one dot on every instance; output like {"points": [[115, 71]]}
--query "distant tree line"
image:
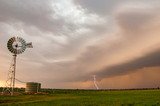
{"points": [[59, 91]]}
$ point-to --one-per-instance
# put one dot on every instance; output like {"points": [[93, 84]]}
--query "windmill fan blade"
{"points": [[29, 45]]}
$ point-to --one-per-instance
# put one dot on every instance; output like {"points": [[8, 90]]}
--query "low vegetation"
{"points": [[85, 98]]}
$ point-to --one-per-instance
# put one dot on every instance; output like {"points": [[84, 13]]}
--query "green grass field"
{"points": [[86, 98]]}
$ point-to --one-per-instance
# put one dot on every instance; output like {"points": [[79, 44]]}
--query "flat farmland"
{"points": [[85, 98]]}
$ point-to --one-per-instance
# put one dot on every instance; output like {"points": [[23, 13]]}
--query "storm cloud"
{"points": [[149, 60], [76, 39]]}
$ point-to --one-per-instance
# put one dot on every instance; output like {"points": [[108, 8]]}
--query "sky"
{"points": [[73, 40]]}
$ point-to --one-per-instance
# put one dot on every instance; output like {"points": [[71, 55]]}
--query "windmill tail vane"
{"points": [[29, 45]]}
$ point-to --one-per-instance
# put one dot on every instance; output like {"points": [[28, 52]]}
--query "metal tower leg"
{"points": [[14, 73], [10, 83]]}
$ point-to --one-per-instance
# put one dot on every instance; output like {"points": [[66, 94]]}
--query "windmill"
{"points": [[16, 45]]}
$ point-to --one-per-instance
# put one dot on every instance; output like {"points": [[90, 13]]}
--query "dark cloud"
{"points": [[134, 40], [98, 56], [31, 13], [149, 60], [144, 78]]}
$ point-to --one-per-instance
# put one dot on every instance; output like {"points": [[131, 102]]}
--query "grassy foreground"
{"points": [[86, 98]]}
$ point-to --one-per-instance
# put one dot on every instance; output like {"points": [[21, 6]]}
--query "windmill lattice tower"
{"points": [[16, 45]]}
